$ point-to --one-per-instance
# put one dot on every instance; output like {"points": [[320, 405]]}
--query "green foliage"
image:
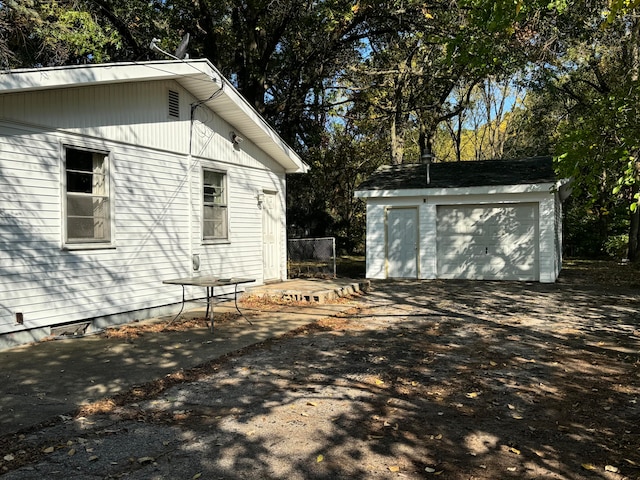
{"points": [[616, 246], [321, 202], [589, 229], [397, 74], [53, 33]]}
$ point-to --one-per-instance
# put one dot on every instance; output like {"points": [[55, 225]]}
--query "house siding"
{"points": [[156, 195], [558, 235], [51, 285], [547, 239], [375, 241]]}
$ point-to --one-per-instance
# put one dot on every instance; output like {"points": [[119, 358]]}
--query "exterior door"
{"points": [[402, 242], [271, 237]]}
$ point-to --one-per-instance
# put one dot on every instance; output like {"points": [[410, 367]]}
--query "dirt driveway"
{"points": [[451, 380]]}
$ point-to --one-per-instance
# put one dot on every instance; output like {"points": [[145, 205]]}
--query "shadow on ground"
{"points": [[453, 380]]}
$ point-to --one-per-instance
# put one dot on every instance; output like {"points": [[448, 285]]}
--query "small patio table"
{"points": [[209, 283]]}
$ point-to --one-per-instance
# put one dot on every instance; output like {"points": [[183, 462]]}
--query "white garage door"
{"points": [[488, 242]]}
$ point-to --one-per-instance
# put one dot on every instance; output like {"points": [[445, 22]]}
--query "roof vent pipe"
{"points": [[427, 158]]}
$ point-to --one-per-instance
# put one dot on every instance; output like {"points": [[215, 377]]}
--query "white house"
{"points": [[484, 220], [115, 177]]}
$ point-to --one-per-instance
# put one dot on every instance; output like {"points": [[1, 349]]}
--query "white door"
{"points": [[488, 242], [270, 237], [402, 242]]}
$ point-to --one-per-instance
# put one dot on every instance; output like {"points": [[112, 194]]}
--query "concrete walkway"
{"points": [[42, 380]]}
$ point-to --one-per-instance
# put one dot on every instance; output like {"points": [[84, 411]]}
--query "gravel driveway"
{"points": [[443, 379]]}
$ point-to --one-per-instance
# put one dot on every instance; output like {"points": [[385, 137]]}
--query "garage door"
{"points": [[488, 242]]}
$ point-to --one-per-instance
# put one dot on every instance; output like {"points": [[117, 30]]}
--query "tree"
{"points": [[37, 33], [599, 142], [322, 202]]}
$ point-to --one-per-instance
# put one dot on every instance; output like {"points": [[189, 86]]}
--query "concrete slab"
{"points": [[311, 289], [45, 379]]}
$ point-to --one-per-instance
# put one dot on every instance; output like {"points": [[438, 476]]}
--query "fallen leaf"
{"points": [[312, 404], [48, 450], [379, 382], [93, 458], [319, 458], [9, 457], [143, 460], [472, 394], [196, 476], [588, 466], [394, 468], [430, 470], [514, 450], [71, 452]]}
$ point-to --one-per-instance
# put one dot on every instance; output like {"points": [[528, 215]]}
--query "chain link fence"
{"points": [[311, 257]]}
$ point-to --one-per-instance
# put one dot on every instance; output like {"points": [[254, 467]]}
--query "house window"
{"points": [[87, 197], [214, 212]]}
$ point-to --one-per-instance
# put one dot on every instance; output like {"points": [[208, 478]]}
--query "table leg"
{"points": [[235, 299], [180, 312], [210, 305]]}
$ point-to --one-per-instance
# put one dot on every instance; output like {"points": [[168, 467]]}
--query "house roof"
{"points": [[460, 175], [199, 77]]}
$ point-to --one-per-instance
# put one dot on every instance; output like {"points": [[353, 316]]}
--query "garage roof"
{"points": [[482, 173]]}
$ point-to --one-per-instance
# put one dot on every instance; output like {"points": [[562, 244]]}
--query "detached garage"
{"points": [[484, 220]]}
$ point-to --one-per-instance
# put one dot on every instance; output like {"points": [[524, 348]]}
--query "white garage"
{"points": [[486, 220]]}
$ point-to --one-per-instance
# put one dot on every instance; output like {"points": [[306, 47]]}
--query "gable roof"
{"points": [[534, 173], [199, 77]]}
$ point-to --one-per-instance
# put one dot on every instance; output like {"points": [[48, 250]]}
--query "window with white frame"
{"points": [[214, 205], [87, 202]]}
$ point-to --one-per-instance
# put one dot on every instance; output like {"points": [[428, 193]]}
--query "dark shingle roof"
{"points": [[462, 174]]}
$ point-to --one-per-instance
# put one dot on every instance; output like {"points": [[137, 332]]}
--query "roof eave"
{"points": [[199, 77], [440, 192]]}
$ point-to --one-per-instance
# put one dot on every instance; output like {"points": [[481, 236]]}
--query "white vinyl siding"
{"points": [[151, 227], [134, 114], [155, 197], [51, 286], [148, 168]]}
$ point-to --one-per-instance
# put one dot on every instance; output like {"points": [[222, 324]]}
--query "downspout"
{"points": [[195, 258], [195, 261]]}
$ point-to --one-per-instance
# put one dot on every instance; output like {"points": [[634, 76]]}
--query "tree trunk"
{"points": [[634, 230], [634, 227], [397, 141]]}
